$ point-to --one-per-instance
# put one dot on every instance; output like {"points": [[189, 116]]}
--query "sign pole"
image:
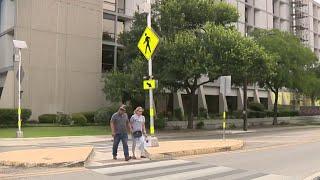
{"points": [[150, 77], [224, 125]]}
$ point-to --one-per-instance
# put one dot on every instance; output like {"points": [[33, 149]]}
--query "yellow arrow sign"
{"points": [[149, 84], [148, 43]]}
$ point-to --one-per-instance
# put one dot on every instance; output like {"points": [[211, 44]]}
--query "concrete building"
{"points": [[62, 65], [72, 42]]}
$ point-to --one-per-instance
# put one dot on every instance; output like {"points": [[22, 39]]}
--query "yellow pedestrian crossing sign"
{"points": [[149, 84], [148, 43]]}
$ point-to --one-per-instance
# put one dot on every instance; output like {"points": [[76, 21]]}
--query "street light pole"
{"points": [[19, 45]]}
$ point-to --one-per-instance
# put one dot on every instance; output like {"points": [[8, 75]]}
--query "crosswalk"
{"points": [[177, 170]]}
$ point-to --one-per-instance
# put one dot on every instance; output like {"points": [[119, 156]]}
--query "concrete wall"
{"points": [[6, 51], [8, 93], [63, 62], [217, 124], [7, 14], [7, 10]]}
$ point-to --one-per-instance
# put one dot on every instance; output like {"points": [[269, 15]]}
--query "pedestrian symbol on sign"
{"points": [[147, 42]]}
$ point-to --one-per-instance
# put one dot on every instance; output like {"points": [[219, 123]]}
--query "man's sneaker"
{"points": [[114, 157], [127, 158], [143, 157], [133, 157]]}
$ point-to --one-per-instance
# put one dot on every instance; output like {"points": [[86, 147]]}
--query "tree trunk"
{"points": [[190, 113], [275, 108], [245, 104]]}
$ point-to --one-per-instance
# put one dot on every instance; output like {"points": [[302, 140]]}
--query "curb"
{"points": [[313, 177], [172, 155]]}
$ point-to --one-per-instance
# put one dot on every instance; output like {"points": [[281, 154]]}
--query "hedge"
{"points": [[261, 114], [48, 118], [257, 114], [79, 119], [256, 107], [103, 115], [10, 116], [89, 116]]}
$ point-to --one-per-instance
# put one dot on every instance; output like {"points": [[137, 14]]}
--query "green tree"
{"points": [[185, 61], [176, 15], [310, 85], [126, 86], [290, 60], [239, 57]]}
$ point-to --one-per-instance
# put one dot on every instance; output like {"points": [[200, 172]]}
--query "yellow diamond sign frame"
{"points": [[148, 42], [149, 84]]}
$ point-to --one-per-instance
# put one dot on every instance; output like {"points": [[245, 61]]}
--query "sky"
{"points": [[317, 1]]}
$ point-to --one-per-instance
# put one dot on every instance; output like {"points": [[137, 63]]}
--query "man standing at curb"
{"points": [[120, 127]]}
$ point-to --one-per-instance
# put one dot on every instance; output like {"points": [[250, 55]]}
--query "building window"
{"points": [[107, 58], [246, 16], [120, 27], [109, 5], [120, 62], [108, 27], [121, 6], [2, 81], [1, 89]]}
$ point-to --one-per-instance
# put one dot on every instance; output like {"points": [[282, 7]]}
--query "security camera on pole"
{"points": [[19, 45], [147, 45]]}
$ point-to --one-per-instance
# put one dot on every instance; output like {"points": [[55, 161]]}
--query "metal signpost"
{"points": [[147, 45]]}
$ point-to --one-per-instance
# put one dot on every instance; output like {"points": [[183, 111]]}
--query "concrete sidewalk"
{"points": [[163, 135], [79, 156], [171, 149], [50, 157]]}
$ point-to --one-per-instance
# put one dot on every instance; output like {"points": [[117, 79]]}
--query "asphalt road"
{"points": [[297, 160], [273, 154]]}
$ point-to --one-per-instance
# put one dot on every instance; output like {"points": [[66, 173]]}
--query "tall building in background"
{"points": [[62, 65]]}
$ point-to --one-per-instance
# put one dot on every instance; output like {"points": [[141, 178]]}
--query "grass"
{"points": [[56, 131]]}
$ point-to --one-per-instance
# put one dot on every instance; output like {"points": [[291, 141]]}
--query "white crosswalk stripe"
{"points": [[179, 169]]}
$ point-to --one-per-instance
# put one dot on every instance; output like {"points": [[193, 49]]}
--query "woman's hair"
{"points": [[138, 109]]}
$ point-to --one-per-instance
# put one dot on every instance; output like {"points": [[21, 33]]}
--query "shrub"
{"points": [[176, 128], [65, 119], [235, 115], [270, 113], [177, 113], [288, 113], [79, 119], [160, 123], [103, 115], [10, 116], [256, 107], [294, 113], [48, 118], [203, 113], [232, 126], [89, 116], [283, 123], [214, 115], [200, 125], [257, 114]]}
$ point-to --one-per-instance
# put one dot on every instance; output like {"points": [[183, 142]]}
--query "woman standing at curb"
{"points": [[137, 122]]}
